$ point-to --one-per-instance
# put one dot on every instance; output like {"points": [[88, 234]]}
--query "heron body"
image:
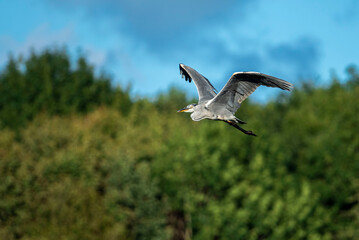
{"points": [[223, 105], [202, 111]]}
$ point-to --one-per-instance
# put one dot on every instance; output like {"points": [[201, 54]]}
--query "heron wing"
{"points": [[243, 84], [205, 89]]}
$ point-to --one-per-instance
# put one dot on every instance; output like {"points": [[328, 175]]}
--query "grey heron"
{"points": [[223, 105]]}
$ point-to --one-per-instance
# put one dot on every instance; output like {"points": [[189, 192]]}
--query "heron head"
{"points": [[188, 108]]}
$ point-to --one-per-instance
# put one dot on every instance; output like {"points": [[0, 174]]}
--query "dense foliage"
{"points": [[48, 83], [80, 160]]}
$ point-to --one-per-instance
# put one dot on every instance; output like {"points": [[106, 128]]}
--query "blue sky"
{"points": [[141, 42]]}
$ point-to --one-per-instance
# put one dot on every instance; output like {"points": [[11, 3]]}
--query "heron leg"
{"points": [[240, 121], [234, 124]]}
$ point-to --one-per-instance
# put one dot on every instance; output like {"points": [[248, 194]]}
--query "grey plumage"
{"points": [[222, 106], [243, 84], [205, 89]]}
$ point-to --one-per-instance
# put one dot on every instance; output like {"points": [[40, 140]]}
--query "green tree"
{"points": [[67, 179], [46, 82]]}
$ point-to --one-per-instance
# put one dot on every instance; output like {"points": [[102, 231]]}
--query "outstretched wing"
{"points": [[243, 84], [204, 88]]}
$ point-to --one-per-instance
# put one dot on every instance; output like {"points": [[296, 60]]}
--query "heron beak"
{"points": [[185, 109]]}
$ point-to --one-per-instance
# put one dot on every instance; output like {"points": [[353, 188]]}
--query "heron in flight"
{"points": [[223, 105]]}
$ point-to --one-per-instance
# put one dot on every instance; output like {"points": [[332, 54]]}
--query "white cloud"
{"points": [[38, 39], [43, 37]]}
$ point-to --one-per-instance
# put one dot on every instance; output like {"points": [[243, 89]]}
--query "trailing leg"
{"points": [[240, 121], [234, 124]]}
